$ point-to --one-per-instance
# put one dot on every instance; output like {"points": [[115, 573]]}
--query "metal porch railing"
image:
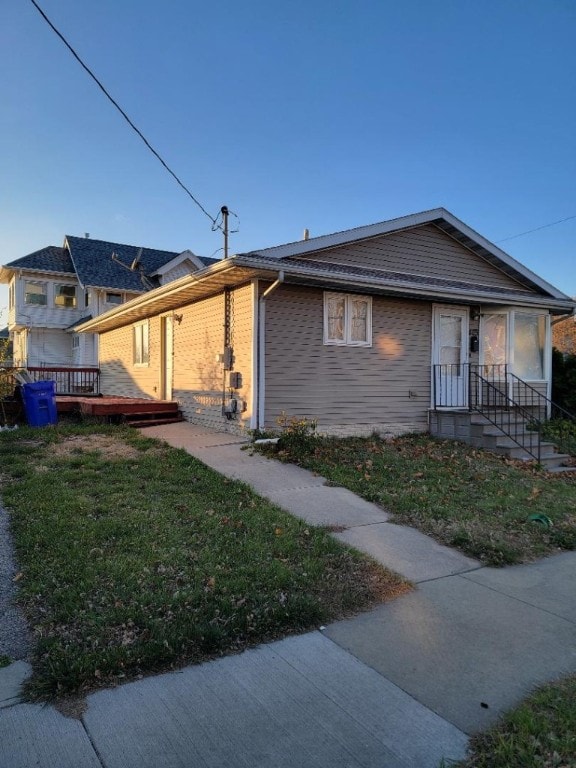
{"points": [[519, 410]]}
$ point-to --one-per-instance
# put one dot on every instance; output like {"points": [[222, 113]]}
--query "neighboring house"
{"points": [[53, 289], [564, 334], [364, 329], [5, 347]]}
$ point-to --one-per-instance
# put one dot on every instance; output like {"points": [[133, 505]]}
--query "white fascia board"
{"points": [[34, 274]]}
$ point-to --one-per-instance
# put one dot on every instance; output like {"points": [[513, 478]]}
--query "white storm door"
{"points": [[450, 357]]}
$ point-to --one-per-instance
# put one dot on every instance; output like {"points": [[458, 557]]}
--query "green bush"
{"points": [[564, 380]]}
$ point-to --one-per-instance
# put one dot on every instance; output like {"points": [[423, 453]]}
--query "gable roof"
{"points": [[441, 218], [95, 267], [49, 259]]}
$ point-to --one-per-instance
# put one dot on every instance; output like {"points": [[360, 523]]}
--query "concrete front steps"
{"points": [[477, 430]]}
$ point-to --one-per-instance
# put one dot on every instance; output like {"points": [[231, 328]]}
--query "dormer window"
{"points": [[65, 296], [35, 293]]}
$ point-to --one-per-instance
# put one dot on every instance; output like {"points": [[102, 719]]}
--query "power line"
{"points": [[119, 108], [529, 231]]}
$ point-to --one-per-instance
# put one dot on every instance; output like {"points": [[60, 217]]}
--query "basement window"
{"points": [[347, 320], [141, 344]]}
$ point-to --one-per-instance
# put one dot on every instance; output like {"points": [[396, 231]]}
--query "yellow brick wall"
{"points": [[564, 335]]}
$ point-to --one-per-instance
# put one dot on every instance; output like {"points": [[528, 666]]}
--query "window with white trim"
{"points": [[76, 341], [141, 343], [35, 293], [517, 338], [347, 319]]}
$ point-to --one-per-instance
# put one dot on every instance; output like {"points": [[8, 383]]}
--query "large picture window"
{"points": [[141, 344], [347, 319], [517, 339], [529, 341]]}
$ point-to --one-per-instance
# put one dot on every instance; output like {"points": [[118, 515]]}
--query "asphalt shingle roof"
{"points": [[49, 259], [95, 266]]}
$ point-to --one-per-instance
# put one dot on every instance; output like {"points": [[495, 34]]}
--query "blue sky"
{"points": [[326, 114]]}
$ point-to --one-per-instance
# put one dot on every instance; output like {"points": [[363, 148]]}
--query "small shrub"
{"points": [[298, 433]]}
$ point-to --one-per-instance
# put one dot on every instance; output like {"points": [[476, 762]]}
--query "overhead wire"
{"points": [[122, 112], [537, 229]]}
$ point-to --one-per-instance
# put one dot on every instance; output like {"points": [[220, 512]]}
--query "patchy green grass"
{"points": [[540, 733], [137, 557], [466, 498]]}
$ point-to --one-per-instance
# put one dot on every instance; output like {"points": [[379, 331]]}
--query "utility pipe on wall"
{"points": [[260, 353]]}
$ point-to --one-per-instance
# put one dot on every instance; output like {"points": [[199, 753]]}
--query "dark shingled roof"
{"points": [[95, 266], [49, 259]]}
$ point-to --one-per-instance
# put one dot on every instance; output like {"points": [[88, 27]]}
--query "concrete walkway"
{"points": [[399, 686]]}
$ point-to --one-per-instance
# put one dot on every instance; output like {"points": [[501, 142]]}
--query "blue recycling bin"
{"points": [[40, 403]]}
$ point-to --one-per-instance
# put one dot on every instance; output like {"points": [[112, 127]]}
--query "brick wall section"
{"points": [[564, 335]]}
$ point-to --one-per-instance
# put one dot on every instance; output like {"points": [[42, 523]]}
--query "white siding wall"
{"points": [[48, 346], [48, 316]]}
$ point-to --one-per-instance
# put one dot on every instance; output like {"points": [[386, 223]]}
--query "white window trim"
{"points": [[347, 340], [144, 363]]}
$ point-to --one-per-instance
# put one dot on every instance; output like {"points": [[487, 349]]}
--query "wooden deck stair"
{"points": [[136, 412]]}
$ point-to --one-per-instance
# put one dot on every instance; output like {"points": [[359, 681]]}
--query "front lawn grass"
{"points": [[463, 497], [134, 557], [540, 733]]}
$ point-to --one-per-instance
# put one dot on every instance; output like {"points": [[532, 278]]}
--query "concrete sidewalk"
{"points": [[398, 687]]}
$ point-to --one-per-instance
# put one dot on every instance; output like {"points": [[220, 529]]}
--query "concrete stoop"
{"points": [[475, 429]]}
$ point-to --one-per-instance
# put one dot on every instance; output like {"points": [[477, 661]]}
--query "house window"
{"points": [[76, 341], [35, 293], [347, 319], [113, 298], [518, 339], [87, 299], [65, 296], [11, 295], [141, 344], [529, 342]]}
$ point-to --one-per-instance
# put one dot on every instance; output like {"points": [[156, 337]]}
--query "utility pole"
{"points": [[224, 212]]}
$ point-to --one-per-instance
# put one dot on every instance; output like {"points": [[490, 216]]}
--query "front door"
{"points": [[450, 357]]}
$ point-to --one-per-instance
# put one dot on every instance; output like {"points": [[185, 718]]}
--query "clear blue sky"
{"points": [[323, 114]]}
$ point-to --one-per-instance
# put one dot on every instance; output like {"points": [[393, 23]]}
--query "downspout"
{"points": [[260, 350]]}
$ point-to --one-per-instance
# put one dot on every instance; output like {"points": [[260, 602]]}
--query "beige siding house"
{"points": [[373, 328]]}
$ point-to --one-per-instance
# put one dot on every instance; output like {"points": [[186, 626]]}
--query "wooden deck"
{"points": [[137, 411]]}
